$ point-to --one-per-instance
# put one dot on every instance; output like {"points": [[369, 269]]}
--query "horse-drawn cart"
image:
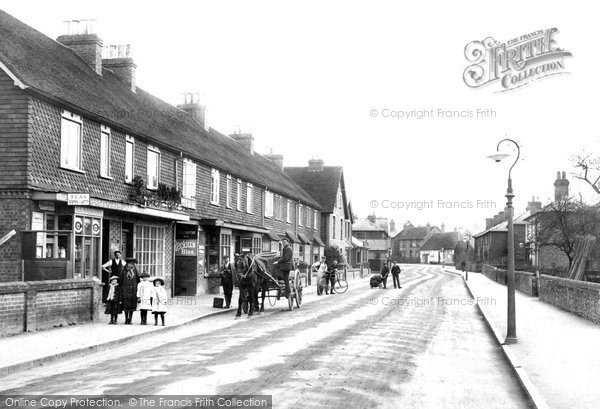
{"points": [[261, 274]]}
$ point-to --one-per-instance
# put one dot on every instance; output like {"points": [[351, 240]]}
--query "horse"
{"points": [[252, 274]]}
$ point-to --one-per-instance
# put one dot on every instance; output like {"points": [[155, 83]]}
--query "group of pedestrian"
{"points": [[326, 276], [127, 289], [385, 272]]}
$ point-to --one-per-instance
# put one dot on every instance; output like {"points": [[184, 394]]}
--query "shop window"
{"points": [[149, 248], [226, 246], [87, 247], [256, 245]]}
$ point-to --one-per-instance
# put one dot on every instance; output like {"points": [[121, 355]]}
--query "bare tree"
{"points": [[588, 166], [560, 223]]}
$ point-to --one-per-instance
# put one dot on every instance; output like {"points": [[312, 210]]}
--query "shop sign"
{"points": [[78, 199], [186, 248]]}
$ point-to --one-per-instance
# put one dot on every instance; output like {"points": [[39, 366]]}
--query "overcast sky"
{"points": [[304, 76]]}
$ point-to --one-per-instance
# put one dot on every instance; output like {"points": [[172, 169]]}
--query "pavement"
{"points": [[28, 350], [556, 357], [415, 347]]}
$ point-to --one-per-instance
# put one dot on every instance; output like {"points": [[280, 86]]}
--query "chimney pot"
{"points": [[81, 39], [315, 165], [193, 107], [117, 59]]}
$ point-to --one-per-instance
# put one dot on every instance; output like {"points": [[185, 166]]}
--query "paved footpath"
{"points": [[558, 353], [32, 349], [422, 346]]}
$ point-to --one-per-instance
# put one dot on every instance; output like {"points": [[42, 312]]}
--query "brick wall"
{"points": [[39, 305], [578, 297], [15, 213]]}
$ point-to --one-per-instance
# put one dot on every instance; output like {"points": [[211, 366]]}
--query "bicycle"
{"points": [[340, 285]]}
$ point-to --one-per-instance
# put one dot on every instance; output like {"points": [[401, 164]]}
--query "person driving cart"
{"points": [[285, 264]]}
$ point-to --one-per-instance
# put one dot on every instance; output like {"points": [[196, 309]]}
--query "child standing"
{"points": [[114, 300], [145, 291], [159, 302]]}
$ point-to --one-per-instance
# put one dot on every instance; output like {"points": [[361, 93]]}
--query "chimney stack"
{"points": [[371, 218], [118, 59], [489, 223], [315, 165], [534, 206], [561, 187], [193, 107], [443, 228], [246, 139], [275, 158], [80, 36]]}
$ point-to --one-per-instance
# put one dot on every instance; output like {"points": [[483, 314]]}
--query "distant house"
{"points": [[406, 245], [491, 244], [377, 240], [439, 248], [326, 185], [359, 253], [464, 252]]}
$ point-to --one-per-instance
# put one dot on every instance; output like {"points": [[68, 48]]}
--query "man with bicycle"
{"points": [[332, 275]]}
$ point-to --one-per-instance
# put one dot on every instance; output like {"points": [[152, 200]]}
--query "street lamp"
{"points": [[466, 239], [511, 333]]}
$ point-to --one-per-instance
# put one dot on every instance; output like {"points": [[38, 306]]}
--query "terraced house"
{"points": [[91, 163]]}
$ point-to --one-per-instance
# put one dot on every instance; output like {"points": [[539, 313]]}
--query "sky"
{"points": [[321, 79]]}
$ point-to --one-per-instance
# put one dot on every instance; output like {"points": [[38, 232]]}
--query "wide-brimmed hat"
{"points": [[114, 278], [131, 260], [144, 274], [158, 279]]}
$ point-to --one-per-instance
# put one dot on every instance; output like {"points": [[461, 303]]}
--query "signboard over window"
{"points": [[78, 199]]}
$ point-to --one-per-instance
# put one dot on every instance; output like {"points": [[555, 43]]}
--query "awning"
{"points": [[293, 238], [319, 242], [272, 236], [303, 238], [356, 242], [233, 226]]}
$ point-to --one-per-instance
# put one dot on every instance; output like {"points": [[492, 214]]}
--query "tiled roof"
{"points": [[438, 241], [365, 225], [503, 226], [414, 233], [321, 185], [51, 70]]}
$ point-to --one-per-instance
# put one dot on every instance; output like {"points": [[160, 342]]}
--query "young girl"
{"points": [[114, 300], [159, 302], [144, 295]]}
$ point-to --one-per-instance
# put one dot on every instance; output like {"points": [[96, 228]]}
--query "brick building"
{"points": [[327, 186], [406, 245], [91, 163], [376, 239]]}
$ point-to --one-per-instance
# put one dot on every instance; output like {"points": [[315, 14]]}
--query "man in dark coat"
{"points": [[385, 271], [112, 267], [129, 280], [227, 280], [285, 264], [396, 275]]}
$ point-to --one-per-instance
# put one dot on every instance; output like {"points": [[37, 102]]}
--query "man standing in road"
{"points": [[227, 280], [285, 264], [116, 265], [396, 275], [385, 271]]}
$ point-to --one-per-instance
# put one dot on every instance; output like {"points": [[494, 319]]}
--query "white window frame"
{"points": [[105, 153], [152, 150], [228, 194], [129, 161], [288, 215], [188, 190], [300, 212], [315, 221], [269, 199], [239, 195], [215, 186], [249, 198], [69, 118]]}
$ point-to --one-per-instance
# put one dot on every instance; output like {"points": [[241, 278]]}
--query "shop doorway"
{"points": [[127, 240]]}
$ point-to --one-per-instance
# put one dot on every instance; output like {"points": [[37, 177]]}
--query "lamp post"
{"points": [[467, 238], [511, 331]]}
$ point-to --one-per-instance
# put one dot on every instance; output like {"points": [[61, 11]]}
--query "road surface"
{"points": [[422, 346]]}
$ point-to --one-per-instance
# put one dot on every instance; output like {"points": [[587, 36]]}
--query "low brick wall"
{"points": [[578, 297], [524, 281], [39, 305]]}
